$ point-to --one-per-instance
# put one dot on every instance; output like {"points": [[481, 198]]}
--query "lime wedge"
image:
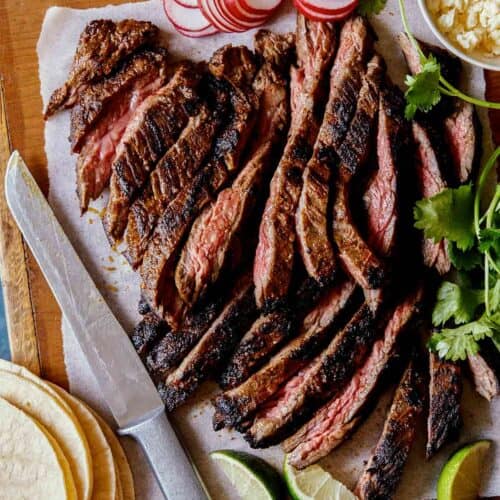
{"points": [[460, 478], [252, 477], [314, 483]]}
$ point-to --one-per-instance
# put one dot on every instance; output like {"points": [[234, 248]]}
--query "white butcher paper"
{"points": [[60, 31]]}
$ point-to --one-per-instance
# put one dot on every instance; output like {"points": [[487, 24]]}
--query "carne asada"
{"points": [[213, 347], [103, 44], [274, 257], [484, 376], [238, 404], [385, 467], [323, 379], [337, 420], [445, 391], [153, 129], [147, 332]]}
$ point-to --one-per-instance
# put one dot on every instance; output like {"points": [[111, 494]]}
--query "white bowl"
{"points": [[492, 63]]}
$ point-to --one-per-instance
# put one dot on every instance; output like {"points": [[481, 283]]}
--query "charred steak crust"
{"points": [[148, 332], [334, 423], [321, 380], [385, 467], [237, 405], [445, 392], [485, 374], [214, 346], [274, 257], [102, 46]]}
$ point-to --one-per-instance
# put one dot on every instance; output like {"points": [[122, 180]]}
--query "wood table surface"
{"points": [[34, 318]]}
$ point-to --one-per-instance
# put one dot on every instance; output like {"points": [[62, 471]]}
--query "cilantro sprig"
{"points": [[468, 310], [426, 88], [367, 7]]}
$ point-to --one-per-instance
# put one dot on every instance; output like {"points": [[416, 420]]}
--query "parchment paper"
{"points": [[60, 32]]}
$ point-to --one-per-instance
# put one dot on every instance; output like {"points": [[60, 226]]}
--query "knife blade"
{"points": [[124, 382]]}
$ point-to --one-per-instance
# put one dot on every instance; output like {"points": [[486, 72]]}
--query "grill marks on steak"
{"points": [[385, 467], [173, 173], [151, 132], [321, 380], [445, 391], [336, 421], [274, 257], [102, 114], [236, 405], [216, 344], [103, 44], [219, 227], [355, 148], [431, 182], [381, 197]]}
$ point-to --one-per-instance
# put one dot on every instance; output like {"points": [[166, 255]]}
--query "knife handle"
{"points": [[175, 472]]}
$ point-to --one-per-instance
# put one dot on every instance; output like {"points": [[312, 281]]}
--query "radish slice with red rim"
{"points": [[185, 18], [261, 6], [328, 6], [211, 30], [211, 11], [239, 12], [315, 15], [238, 20], [190, 4], [333, 11]]}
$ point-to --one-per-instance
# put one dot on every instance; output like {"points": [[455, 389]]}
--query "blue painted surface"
{"points": [[4, 343]]}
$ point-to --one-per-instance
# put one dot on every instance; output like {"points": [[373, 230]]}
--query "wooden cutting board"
{"points": [[33, 317]]}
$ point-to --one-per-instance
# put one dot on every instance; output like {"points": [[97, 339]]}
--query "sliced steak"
{"points": [[267, 333], [431, 182], [274, 257], [173, 173], [381, 197], [484, 376], [337, 420], [238, 404], [275, 48], [172, 348], [147, 332], [354, 253], [323, 379], [214, 346], [219, 227], [102, 46], [445, 391], [153, 129], [355, 147], [385, 466]]}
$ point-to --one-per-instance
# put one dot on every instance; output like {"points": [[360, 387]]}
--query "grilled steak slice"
{"points": [[275, 49], [147, 332], [463, 135], [153, 129], [173, 173], [381, 197], [173, 347], [238, 404], [323, 379], [216, 231], [275, 251], [103, 44], [385, 466], [431, 182], [267, 333], [337, 420], [356, 256], [484, 376], [355, 147], [355, 48], [100, 119], [215, 345], [445, 391]]}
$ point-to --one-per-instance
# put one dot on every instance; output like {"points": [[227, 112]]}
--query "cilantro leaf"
{"points": [[450, 215], [367, 7], [458, 343], [490, 240], [423, 91], [456, 302], [464, 260]]}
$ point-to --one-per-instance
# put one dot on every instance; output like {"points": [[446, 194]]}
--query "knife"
{"points": [[124, 382]]}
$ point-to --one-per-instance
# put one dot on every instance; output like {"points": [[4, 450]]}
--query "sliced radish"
{"points": [[237, 19], [315, 15], [327, 6], [239, 12], [309, 5], [190, 4], [185, 18], [212, 12], [261, 6], [211, 30]]}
